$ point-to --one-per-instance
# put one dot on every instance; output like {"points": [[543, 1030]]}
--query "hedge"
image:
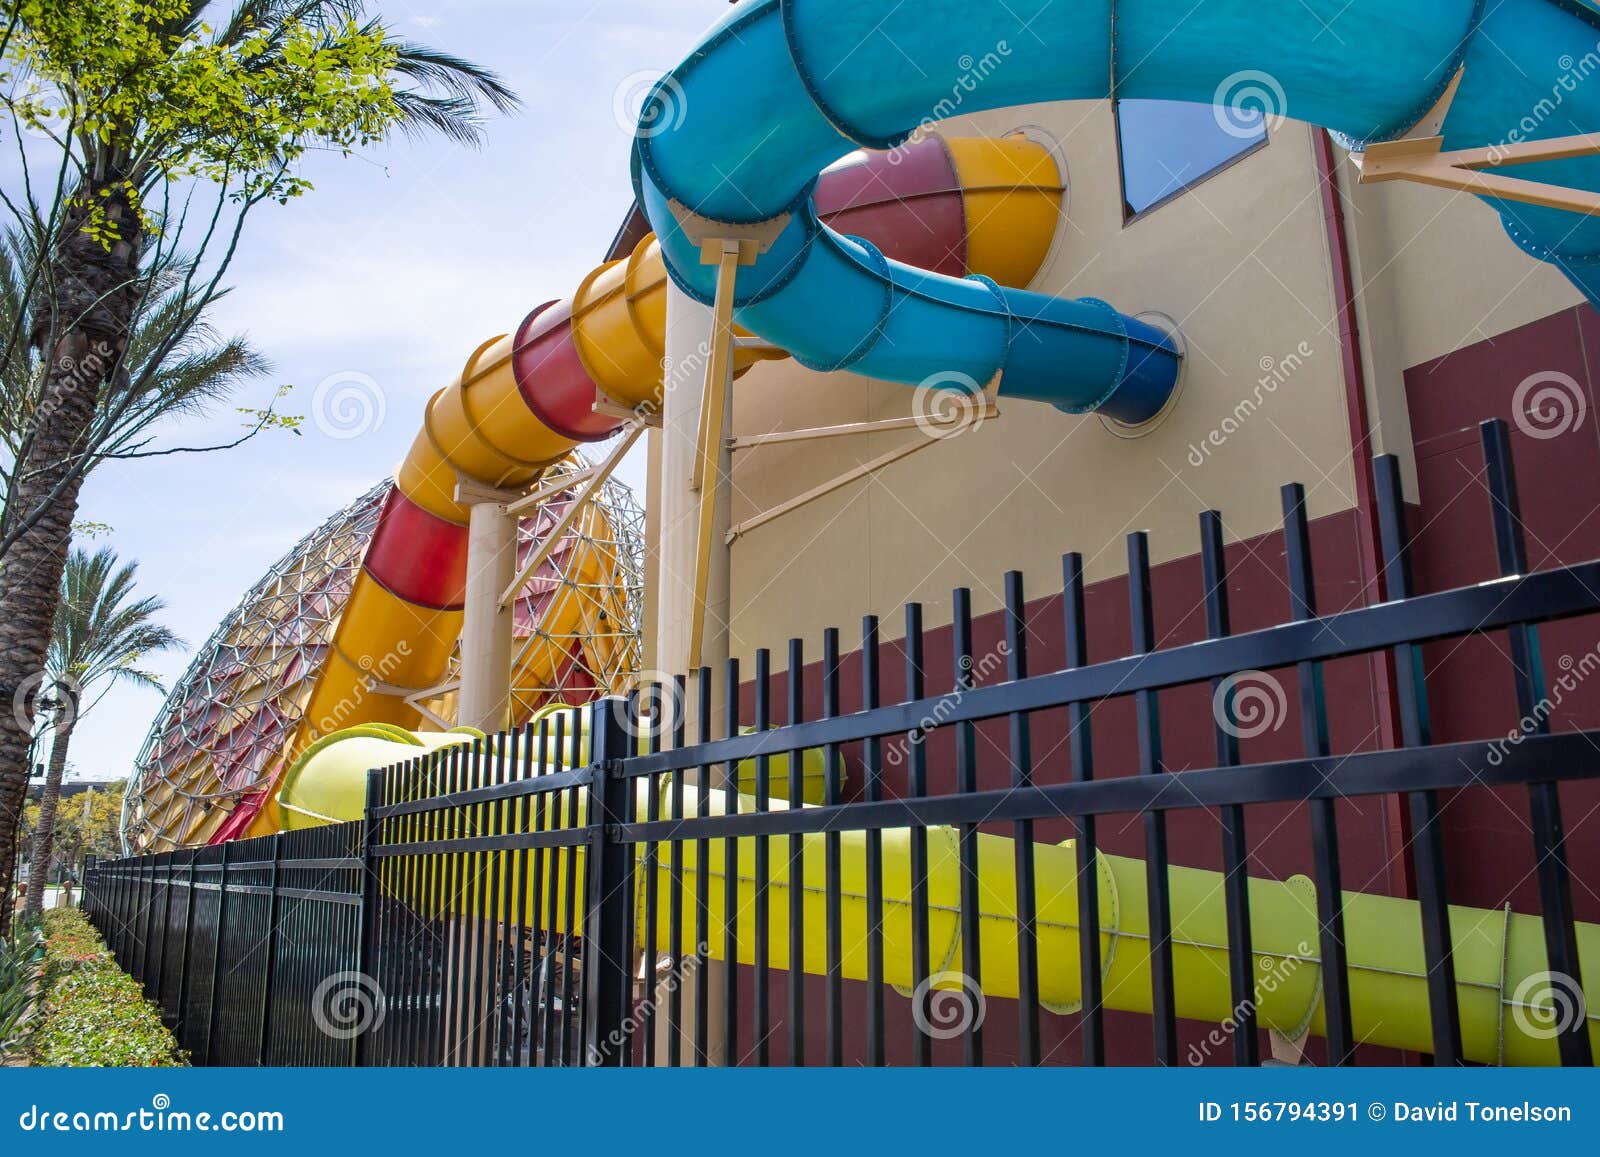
{"points": [[95, 1014]]}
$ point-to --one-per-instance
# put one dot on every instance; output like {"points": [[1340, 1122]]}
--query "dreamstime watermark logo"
{"points": [[619, 1037], [1275, 971], [973, 71], [1574, 672], [1574, 71], [158, 1117], [1249, 704], [1549, 404], [1274, 373], [347, 1004], [348, 404], [375, 673], [44, 695], [661, 703], [648, 103], [72, 373], [1248, 102], [973, 671], [947, 1004], [1547, 1004], [44, 114], [949, 403]]}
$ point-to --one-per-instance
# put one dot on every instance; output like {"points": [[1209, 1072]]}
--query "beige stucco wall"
{"points": [[1446, 272]]}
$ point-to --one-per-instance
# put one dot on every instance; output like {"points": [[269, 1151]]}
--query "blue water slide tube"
{"points": [[779, 89]]}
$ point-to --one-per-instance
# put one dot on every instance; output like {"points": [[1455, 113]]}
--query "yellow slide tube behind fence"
{"points": [[1507, 999]]}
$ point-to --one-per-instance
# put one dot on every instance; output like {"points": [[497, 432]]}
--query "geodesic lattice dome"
{"points": [[220, 734]]}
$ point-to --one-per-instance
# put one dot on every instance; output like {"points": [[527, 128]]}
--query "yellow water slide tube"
{"points": [[1505, 994]]}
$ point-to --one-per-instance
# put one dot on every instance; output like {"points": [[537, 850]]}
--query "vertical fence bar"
{"points": [[181, 1028], [1323, 812], [548, 807], [1235, 848], [730, 880], [872, 770], [652, 887], [1080, 745], [1544, 799], [675, 886], [702, 880], [761, 1013], [967, 833], [437, 1048], [216, 952], [1163, 1004], [569, 924], [147, 911], [832, 857], [270, 947], [454, 924], [797, 844], [606, 969], [367, 920], [166, 923], [1021, 742], [917, 785], [1427, 836], [507, 942]]}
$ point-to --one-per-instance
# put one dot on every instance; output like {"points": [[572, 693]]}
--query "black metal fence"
{"points": [[251, 948], [541, 900]]}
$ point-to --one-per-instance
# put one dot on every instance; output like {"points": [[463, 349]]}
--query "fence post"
{"points": [[271, 950], [609, 909], [180, 1028], [147, 894], [166, 923], [367, 924], [216, 951]]}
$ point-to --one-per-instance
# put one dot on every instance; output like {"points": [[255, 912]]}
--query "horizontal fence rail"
{"points": [[677, 878]]}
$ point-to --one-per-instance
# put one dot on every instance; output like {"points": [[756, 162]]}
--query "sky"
{"points": [[385, 277]]}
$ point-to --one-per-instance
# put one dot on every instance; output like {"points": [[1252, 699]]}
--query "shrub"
{"points": [[21, 972], [94, 1013]]}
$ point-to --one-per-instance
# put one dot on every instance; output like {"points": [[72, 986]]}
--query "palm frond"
{"points": [[446, 94], [101, 631]]}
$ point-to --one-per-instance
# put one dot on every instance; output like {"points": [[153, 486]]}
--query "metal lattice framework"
{"points": [[220, 733]]}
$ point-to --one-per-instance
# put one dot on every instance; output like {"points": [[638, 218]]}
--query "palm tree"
{"points": [[128, 141], [199, 371], [102, 634]]}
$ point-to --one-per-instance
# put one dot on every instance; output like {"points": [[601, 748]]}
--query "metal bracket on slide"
{"points": [[607, 406], [1420, 157], [1421, 160], [470, 492], [936, 427]]}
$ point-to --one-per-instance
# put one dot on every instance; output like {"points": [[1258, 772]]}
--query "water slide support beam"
{"points": [[1421, 160], [683, 595], [710, 452], [486, 627], [956, 419]]}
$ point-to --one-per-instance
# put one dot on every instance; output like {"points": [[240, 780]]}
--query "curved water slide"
{"points": [[960, 206], [780, 88]]}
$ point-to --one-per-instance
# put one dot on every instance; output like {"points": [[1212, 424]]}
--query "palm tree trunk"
{"points": [[44, 837], [83, 336]]}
